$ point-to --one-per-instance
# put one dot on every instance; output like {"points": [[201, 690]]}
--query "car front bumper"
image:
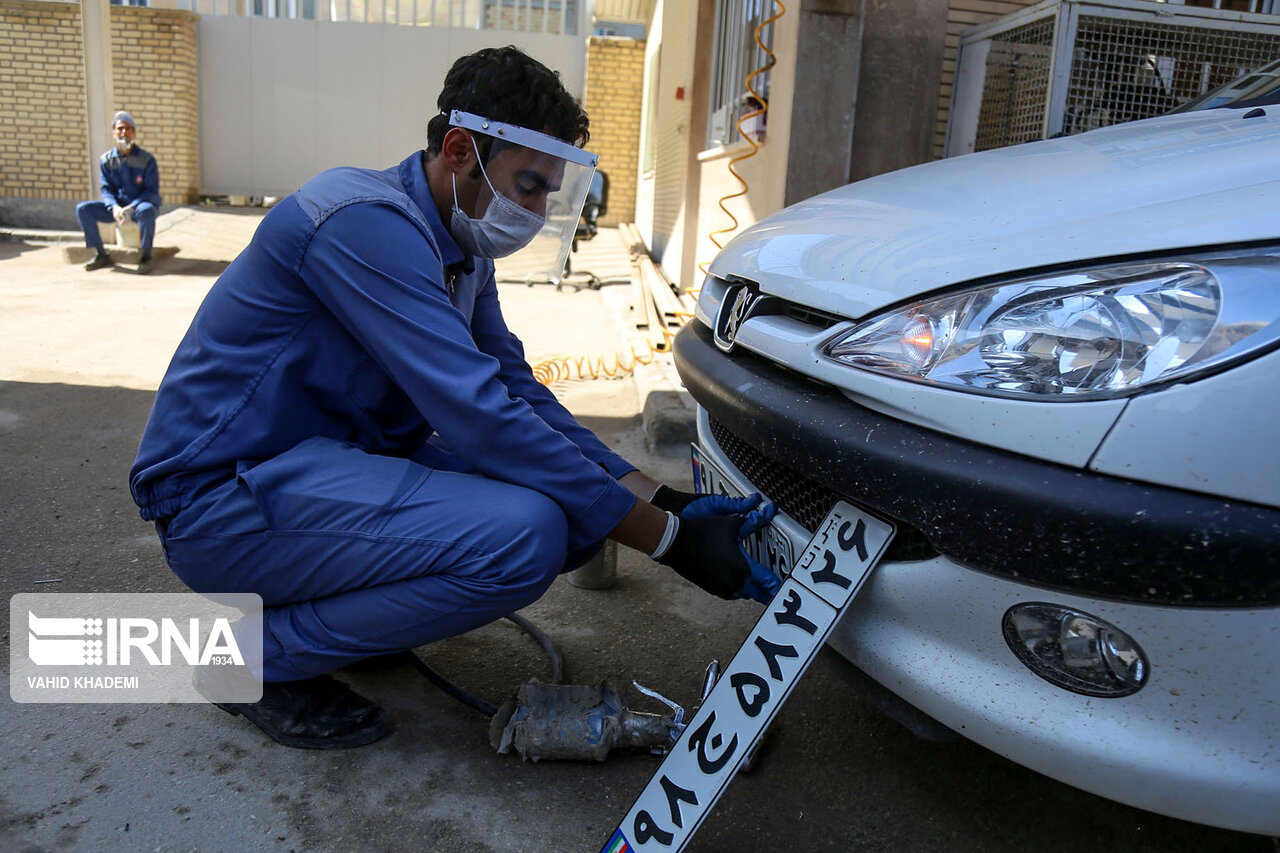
{"points": [[1197, 742]]}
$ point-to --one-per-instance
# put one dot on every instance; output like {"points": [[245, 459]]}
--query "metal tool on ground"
{"points": [[570, 722], [759, 679]]}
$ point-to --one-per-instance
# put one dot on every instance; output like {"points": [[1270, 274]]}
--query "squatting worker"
{"points": [[130, 192], [350, 431]]}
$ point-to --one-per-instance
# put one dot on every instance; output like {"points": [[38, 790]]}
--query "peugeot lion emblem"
{"points": [[739, 301]]}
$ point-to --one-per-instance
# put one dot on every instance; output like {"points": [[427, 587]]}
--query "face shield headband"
{"points": [[535, 187]]}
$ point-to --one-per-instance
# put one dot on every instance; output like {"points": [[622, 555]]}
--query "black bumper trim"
{"points": [[997, 512]]}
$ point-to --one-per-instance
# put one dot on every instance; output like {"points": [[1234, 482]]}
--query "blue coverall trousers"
{"points": [[90, 213], [356, 554]]}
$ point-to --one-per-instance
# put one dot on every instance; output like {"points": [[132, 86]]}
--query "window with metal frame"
{"points": [[648, 142], [734, 55]]}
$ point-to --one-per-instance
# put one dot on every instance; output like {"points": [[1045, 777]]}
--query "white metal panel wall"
{"points": [[281, 100]]}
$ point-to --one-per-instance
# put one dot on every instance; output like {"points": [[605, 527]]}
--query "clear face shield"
{"points": [[543, 183]]}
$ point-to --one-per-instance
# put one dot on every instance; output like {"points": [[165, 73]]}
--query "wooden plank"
{"points": [[663, 296], [631, 239], [639, 295], [656, 330]]}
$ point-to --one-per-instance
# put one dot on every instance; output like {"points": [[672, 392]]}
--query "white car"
{"points": [[1054, 367]]}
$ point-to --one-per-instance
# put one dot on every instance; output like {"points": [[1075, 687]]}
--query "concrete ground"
{"points": [[80, 356]]}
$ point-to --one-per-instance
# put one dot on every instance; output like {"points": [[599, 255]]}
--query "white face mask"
{"points": [[505, 228]]}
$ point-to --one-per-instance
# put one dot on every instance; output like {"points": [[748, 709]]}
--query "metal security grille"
{"points": [[1126, 70], [734, 55], [1074, 65], [1017, 86], [804, 499]]}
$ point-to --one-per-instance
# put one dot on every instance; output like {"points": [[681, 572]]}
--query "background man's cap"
{"points": [[123, 116]]}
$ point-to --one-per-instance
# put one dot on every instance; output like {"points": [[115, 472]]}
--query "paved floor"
{"points": [[80, 355]]}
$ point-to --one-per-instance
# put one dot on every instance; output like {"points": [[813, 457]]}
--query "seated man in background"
{"points": [[130, 193]]}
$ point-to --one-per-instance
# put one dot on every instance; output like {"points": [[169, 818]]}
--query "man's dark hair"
{"points": [[507, 85]]}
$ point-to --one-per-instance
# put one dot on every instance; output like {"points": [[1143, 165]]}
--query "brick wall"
{"points": [[45, 154], [615, 84], [154, 76]]}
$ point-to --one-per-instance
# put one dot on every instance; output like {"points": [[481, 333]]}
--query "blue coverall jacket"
{"points": [[126, 178], [350, 430]]}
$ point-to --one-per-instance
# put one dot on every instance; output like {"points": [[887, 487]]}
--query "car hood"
{"points": [[1193, 179]]}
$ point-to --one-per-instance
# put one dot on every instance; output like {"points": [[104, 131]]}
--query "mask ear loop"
{"points": [[454, 178], [483, 173]]}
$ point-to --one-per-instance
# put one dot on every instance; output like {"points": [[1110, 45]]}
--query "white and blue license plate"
{"points": [[770, 546], [831, 570]]}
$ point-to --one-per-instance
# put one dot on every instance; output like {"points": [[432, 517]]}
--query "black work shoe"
{"points": [[145, 265], [100, 260], [318, 713]]}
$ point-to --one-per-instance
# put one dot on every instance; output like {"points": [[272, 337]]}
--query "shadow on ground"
{"points": [[178, 265], [16, 248]]}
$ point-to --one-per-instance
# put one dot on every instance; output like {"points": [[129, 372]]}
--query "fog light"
{"points": [[1074, 650]]}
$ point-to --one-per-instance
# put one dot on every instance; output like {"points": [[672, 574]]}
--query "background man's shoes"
{"points": [[145, 265], [100, 260], [318, 713]]}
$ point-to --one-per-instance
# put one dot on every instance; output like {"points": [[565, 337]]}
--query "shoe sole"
{"points": [[380, 728]]}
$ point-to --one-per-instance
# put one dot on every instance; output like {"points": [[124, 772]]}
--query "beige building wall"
{"points": [[615, 83], [45, 157], [669, 180], [44, 152], [154, 73]]}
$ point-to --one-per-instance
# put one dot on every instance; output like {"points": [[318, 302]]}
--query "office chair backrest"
{"points": [[594, 207]]}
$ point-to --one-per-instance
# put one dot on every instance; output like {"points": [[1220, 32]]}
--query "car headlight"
{"points": [[1095, 333]]}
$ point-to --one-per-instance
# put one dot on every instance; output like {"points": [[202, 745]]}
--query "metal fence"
{"points": [[1017, 86], [1068, 66], [1124, 70]]}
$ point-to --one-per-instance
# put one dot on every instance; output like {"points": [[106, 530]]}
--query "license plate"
{"points": [[831, 570], [769, 546]]}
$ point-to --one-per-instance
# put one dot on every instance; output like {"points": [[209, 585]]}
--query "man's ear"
{"points": [[457, 151]]}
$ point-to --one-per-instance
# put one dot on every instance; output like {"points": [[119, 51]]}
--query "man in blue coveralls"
{"points": [[130, 192], [350, 431]]}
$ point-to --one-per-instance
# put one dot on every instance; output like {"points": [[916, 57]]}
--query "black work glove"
{"points": [[708, 551], [673, 500]]}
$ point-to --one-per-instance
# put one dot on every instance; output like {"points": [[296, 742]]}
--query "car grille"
{"points": [[811, 316], [805, 499]]}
